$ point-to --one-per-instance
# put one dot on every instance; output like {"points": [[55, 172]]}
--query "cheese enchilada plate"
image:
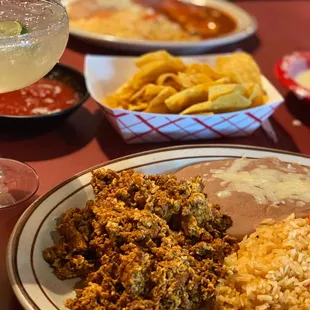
{"points": [[144, 25]]}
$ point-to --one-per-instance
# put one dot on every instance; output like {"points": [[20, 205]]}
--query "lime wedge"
{"points": [[24, 29], [11, 28]]}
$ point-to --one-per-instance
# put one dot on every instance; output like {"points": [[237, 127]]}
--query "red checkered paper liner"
{"points": [[104, 74]]}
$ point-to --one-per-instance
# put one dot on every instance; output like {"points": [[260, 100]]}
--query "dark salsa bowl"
{"points": [[69, 77]]}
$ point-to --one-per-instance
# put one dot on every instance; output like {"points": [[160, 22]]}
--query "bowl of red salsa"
{"points": [[47, 102]]}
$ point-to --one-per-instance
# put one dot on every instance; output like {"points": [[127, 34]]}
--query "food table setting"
{"points": [[240, 96]]}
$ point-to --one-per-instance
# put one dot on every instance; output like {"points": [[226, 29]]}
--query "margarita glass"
{"points": [[33, 36]]}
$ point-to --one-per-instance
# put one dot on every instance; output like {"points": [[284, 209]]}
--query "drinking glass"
{"points": [[33, 36]]}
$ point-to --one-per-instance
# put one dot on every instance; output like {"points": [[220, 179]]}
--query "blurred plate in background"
{"points": [[246, 26]]}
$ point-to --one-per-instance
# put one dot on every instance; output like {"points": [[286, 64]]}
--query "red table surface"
{"points": [[87, 139]]}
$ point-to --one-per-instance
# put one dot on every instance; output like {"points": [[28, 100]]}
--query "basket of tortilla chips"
{"points": [[159, 97]]}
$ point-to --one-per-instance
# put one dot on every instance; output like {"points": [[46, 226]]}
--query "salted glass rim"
{"points": [[64, 19]]}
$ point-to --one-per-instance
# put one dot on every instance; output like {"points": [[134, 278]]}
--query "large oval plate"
{"points": [[246, 26], [32, 279]]}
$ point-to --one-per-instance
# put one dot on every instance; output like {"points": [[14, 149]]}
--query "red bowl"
{"points": [[288, 67]]}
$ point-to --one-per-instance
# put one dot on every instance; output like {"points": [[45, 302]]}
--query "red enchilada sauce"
{"points": [[43, 97]]}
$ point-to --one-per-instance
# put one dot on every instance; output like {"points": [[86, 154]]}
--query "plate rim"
{"points": [[12, 248], [108, 39]]}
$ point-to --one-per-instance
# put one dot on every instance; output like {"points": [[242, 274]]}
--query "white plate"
{"points": [[32, 279], [246, 26]]}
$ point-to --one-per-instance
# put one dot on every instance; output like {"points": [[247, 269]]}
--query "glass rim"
{"points": [[37, 33]]}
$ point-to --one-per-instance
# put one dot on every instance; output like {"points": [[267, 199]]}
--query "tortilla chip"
{"points": [[152, 56], [111, 101], [222, 89], [170, 79], [140, 106], [198, 108], [207, 113], [189, 80], [200, 78], [125, 91], [241, 67], [256, 96], [231, 102], [185, 80], [265, 99], [203, 68], [151, 71], [187, 97], [223, 80], [226, 103], [157, 104], [146, 93]]}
